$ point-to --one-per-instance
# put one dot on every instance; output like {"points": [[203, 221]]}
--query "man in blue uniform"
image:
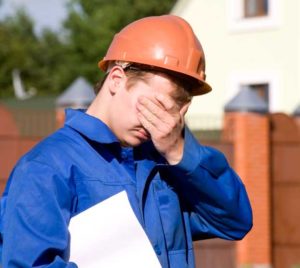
{"points": [[132, 138]]}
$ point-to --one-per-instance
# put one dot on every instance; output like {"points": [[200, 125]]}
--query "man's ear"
{"points": [[116, 79], [185, 108]]}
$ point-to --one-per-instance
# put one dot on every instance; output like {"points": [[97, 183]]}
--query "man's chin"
{"points": [[134, 142]]}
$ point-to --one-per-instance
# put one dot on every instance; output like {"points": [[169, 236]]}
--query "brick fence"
{"points": [[264, 150]]}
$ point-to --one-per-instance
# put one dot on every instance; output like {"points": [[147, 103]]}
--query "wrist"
{"points": [[175, 153]]}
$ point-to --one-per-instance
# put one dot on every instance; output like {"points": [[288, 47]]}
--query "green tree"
{"points": [[50, 61], [92, 24], [17, 42], [38, 58], [52, 74]]}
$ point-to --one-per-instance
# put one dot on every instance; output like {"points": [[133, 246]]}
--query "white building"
{"points": [[252, 43]]}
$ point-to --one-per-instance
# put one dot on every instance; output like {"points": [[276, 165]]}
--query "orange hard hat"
{"points": [[166, 42]]}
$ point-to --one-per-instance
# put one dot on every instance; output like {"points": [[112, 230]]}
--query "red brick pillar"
{"points": [[249, 131], [250, 135]]}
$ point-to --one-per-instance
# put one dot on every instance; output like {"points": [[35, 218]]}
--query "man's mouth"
{"points": [[144, 134]]}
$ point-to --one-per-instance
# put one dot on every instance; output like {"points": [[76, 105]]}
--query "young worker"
{"points": [[133, 138]]}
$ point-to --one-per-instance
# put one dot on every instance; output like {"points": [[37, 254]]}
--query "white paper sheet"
{"points": [[109, 235]]}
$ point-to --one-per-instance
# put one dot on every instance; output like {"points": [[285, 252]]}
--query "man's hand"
{"points": [[164, 120]]}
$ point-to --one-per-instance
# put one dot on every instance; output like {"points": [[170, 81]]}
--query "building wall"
{"points": [[265, 53]]}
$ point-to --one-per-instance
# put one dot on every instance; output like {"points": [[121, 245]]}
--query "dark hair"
{"points": [[139, 72], [99, 84]]}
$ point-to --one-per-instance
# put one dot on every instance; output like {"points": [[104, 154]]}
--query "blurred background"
{"points": [[49, 52]]}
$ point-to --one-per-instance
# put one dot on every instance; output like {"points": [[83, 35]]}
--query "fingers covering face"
{"points": [[158, 115]]}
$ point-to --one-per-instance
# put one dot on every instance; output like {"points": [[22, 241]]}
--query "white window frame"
{"points": [[238, 79], [238, 23]]}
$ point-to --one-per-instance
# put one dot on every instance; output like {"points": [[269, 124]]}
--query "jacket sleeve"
{"points": [[211, 193], [35, 212]]}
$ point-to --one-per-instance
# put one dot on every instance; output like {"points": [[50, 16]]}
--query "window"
{"points": [[265, 83], [252, 15], [261, 90], [255, 8]]}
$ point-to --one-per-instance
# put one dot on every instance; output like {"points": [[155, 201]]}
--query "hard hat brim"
{"points": [[200, 89]]}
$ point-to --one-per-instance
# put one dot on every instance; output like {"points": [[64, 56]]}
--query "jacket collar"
{"points": [[89, 126], [96, 130]]}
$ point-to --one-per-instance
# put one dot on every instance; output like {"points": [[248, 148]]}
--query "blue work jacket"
{"points": [[83, 164]]}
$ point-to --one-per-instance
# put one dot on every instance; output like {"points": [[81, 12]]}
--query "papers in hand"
{"points": [[109, 235]]}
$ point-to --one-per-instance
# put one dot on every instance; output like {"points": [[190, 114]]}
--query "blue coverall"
{"points": [[83, 164]]}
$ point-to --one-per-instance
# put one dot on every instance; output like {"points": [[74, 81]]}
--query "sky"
{"points": [[45, 13]]}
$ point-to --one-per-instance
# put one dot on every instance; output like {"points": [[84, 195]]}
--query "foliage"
{"points": [[17, 44], [50, 61], [37, 58]]}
